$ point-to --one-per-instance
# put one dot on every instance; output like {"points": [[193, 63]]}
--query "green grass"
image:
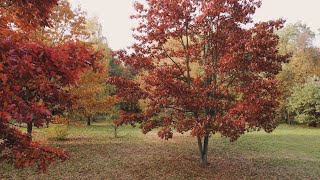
{"points": [[288, 153]]}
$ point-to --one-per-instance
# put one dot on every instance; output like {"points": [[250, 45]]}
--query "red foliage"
{"points": [[32, 77], [25, 14], [217, 77], [26, 152]]}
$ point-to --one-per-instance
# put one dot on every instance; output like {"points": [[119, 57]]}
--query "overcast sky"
{"points": [[114, 16]]}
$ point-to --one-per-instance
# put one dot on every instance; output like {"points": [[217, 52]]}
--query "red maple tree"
{"points": [[32, 78], [205, 68]]}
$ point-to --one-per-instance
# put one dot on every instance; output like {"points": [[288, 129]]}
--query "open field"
{"points": [[288, 153]]}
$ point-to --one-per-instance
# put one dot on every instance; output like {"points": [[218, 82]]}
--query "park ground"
{"points": [[290, 152]]}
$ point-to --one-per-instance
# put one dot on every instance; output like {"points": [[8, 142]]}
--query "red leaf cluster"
{"points": [[26, 14]]}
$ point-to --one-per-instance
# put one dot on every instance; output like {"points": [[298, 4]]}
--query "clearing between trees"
{"points": [[289, 152]]}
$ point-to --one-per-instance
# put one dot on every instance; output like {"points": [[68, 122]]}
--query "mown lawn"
{"points": [[288, 153]]}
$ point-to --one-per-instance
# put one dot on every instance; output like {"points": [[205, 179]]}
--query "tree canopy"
{"points": [[234, 91]]}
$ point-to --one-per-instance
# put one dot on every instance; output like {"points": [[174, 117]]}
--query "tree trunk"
{"points": [[289, 122], [115, 131], [203, 149], [29, 129], [200, 149], [88, 120]]}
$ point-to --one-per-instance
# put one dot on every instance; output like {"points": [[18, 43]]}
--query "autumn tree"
{"points": [[32, 77], [234, 91], [117, 69], [66, 24], [91, 94], [296, 39]]}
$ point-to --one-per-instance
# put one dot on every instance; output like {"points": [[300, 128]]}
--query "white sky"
{"points": [[114, 16]]}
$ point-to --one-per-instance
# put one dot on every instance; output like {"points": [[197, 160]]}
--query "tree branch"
{"points": [[180, 69], [184, 111]]}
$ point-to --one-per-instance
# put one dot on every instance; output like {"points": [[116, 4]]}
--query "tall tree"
{"points": [[32, 77], [296, 39], [235, 90], [91, 94], [94, 29]]}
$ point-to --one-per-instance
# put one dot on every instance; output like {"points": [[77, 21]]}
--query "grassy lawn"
{"points": [[288, 153]]}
